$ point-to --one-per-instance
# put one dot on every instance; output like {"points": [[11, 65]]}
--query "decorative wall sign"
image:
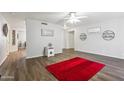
{"points": [[5, 29], [13, 37], [108, 35], [47, 32], [83, 36]]}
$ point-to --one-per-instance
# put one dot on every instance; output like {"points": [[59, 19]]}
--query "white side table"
{"points": [[49, 52]]}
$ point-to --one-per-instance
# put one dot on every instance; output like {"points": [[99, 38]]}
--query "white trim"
{"points": [[34, 57], [3, 60], [39, 56], [100, 54]]}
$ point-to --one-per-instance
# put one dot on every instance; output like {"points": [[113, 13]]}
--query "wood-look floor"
{"points": [[16, 68]]}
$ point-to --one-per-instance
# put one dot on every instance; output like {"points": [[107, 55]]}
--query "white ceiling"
{"points": [[58, 17], [53, 17]]}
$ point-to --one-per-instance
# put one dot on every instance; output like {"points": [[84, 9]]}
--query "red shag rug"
{"points": [[75, 69]]}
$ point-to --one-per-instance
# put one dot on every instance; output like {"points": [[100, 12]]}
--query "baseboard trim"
{"points": [[3, 60], [100, 55], [33, 57], [39, 56]]}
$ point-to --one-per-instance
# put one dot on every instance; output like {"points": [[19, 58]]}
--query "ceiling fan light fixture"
{"points": [[73, 21], [73, 18]]}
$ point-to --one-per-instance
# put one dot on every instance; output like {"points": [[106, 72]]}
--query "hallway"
{"points": [[9, 68]]}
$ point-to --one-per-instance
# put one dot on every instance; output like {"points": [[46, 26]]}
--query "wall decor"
{"points": [[108, 35], [94, 30], [83, 36], [47, 32], [5, 29], [13, 37]]}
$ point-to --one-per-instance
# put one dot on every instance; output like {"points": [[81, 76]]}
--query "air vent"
{"points": [[44, 23]]}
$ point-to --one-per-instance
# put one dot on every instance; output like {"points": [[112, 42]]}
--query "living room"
{"points": [[55, 37], [61, 46]]}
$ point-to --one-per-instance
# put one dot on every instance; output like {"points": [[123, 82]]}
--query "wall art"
{"points": [[5, 29], [83, 36], [13, 37], [108, 35], [47, 32]]}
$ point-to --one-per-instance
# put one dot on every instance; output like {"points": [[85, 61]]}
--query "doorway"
{"points": [[21, 40], [71, 40]]}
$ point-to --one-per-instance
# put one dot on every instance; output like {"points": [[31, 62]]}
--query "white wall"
{"points": [[36, 42], [4, 41], [95, 43]]}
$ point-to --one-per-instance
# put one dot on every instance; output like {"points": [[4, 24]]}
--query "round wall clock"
{"points": [[108, 35], [5, 29], [83, 36]]}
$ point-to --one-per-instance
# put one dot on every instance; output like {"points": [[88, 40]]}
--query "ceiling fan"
{"points": [[72, 18]]}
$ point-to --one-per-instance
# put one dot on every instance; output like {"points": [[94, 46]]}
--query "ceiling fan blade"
{"points": [[81, 17], [66, 18], [78, 17]]}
